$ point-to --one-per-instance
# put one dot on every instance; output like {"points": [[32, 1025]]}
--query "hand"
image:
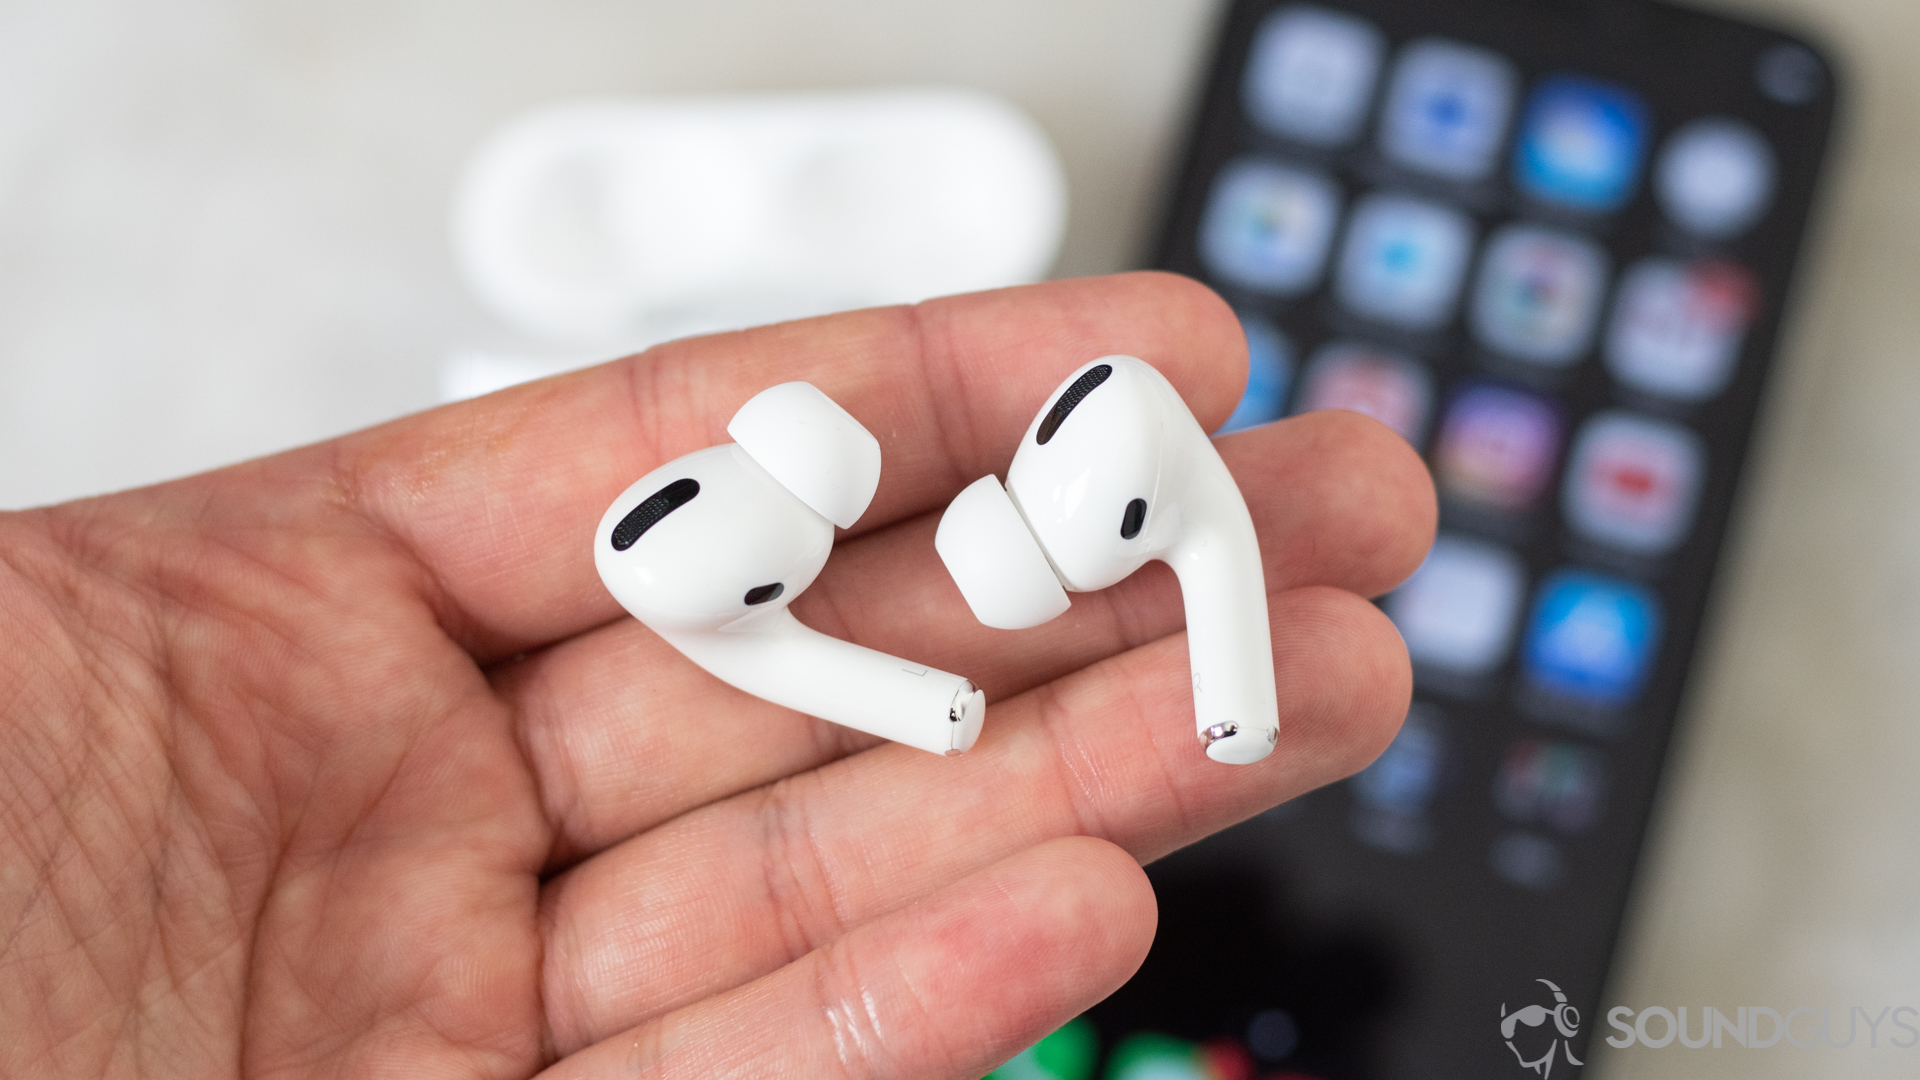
{"points": [[343, 762]]}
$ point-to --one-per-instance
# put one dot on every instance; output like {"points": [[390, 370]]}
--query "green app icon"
{"points": [[1067, 1054], [1151, 1056]]}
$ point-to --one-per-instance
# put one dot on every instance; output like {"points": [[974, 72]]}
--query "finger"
{"points": [[729, 892], [1337, 499], [498, 498], [949, 987]]}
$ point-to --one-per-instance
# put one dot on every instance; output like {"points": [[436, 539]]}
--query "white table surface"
{"points": [[222, 232]]}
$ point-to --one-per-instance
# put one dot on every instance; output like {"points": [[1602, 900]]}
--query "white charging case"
{"points": [[628, 220]]}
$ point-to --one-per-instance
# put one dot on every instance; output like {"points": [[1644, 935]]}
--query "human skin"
{"points": [[342, 762]]}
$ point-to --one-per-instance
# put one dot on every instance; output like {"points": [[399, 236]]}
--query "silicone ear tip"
{"points": [[813, 447], [996, 561]]}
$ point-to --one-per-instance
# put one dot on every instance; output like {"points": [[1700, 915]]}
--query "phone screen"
{"points": [[1549, 244]]}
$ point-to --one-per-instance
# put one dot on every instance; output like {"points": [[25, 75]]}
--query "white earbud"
{"points": [[710, 549], [1113, 472]]}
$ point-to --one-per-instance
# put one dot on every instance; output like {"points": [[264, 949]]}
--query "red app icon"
{"points": [[1633, 482], [1497, 447]]}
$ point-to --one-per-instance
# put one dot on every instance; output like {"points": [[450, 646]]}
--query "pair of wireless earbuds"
{"points": [[710, 549]]}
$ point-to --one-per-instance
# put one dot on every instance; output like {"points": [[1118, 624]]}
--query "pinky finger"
{"points": [[948, 987]]}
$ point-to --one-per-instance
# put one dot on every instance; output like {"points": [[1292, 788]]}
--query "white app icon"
{"points": [[1268, 227], [1310, 74], [1716, 177], [1633, 482], [1678, 327], [1457, 611], [1447, 109], [1404, 260], [1539, 294]]}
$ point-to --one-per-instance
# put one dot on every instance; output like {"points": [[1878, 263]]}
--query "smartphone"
{"points": [[1549, 242]]}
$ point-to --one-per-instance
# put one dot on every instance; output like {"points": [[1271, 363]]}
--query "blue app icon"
{"points": [[1403, 261], [1269, 376], [1582, 144], [1447, 109], [1592, 638], [1406, 776]]}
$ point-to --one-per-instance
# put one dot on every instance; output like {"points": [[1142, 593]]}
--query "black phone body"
{"points": [[1550, 242]]}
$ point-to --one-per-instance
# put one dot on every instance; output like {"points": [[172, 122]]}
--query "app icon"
{"points": [[1555, 784], [1403, 261], [1529, 861], [1310, 74], [1374, 382], [1789, 74], [1677, 327], [1268, 226], [1592, 638], [1457, 611], [1067, 1054], [1269, 375], [1581, 144], [1406, 776], [1148, 1055], [1391, 795], [1447, 109], [1497, 447], [1633, 482], [1715, 177], [1273, 1035], [1539, 294]]}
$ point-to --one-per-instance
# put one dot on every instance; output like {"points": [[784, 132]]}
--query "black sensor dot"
{"points": [[760, 594], [651, 510], [1135, 517], [1071, 400]]}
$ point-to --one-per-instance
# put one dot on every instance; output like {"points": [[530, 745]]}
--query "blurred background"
{"points": [[224, 230]]}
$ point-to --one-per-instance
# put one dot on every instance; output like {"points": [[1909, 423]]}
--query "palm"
{"points": [[341, 763]]}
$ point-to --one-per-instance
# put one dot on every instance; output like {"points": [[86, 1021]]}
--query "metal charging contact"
{"points": [[965, 717], [1217, 732], [957, 712]]}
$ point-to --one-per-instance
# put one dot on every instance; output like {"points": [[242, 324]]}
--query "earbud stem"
{"points": [[1229, 641], [775, 656]]}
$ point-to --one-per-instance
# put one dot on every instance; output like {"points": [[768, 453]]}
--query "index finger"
{"points": [[497, 498]]}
